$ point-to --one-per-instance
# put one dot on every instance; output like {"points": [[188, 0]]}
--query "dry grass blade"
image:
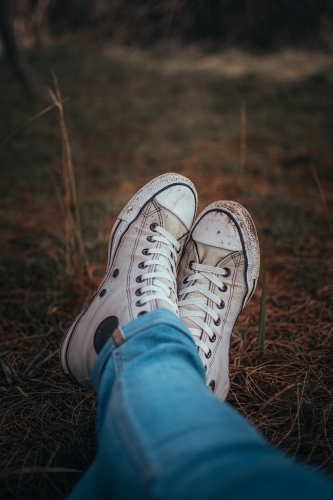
{"points": [[22, 391], [276, 396], [314, 172], [60, 388], [29, 120], [296, 418], [262, 315], [73, 231], [7, 370], [38, 365], [37, 470], [243, 143], [38, 355], [311, 369]]}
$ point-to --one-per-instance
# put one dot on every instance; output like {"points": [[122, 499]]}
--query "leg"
{"points": [[163, 434]]}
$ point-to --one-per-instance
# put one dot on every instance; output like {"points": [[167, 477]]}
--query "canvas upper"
{"points": [[217, 276], [146, 243]]}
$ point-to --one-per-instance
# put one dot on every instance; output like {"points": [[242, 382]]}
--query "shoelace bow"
{"points": [[200, 303], [165, 268]]}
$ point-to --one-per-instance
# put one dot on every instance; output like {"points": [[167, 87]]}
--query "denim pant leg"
{"points": [[162, 434]]}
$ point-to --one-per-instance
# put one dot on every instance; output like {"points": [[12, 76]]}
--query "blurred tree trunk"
{"points": [[31, 82], [39, 23]]}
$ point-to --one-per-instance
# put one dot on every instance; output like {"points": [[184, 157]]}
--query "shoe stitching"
{"points": [[237, 262]]}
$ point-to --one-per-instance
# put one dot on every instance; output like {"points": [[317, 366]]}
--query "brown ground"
{"points": [[134, 115]]}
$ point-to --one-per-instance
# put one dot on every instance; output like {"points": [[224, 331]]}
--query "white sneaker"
{"points": [[217, 276], [145, 247]]}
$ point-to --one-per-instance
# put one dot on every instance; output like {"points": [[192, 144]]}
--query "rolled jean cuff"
{"points": [[143, 323]]}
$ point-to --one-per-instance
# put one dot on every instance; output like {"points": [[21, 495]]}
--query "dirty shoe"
{"points": [[145, 246], [217, 276]]}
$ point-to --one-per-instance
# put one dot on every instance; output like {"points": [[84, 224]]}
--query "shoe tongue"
{"points": [[209, 256], [212, 256], [176, 228], [173, 225]]}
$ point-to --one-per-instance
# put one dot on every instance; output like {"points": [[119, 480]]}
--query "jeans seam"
{"points": [[118, 361], [128, 437]]}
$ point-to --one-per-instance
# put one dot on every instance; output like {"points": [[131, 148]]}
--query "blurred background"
{"points": [[97, 97]]}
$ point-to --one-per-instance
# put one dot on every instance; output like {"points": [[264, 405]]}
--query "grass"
{"points": [[253, 128], [262, 315]]}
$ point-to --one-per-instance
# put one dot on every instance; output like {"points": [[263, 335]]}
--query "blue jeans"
{"points": [[163, 435]]}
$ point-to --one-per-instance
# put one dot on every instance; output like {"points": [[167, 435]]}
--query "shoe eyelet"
{"points": [[212, 385], [217, 322], [213, 338], [142, 313], [141, 265], [115, 273], [138, 304], [138, 292], [150, 239], [224, 289], [227, 270], [190, 264], [185, 281], [209, 354], [152, 227], [102, 292], [221, 305], [139, 279], [145, 251], [205, 367]]}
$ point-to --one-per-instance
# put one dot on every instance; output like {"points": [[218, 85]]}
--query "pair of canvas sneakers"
{"points": [[204, 271]]}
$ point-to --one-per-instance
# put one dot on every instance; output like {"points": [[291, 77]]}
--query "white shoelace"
{"points": [[165, 268], [200, 303]]}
